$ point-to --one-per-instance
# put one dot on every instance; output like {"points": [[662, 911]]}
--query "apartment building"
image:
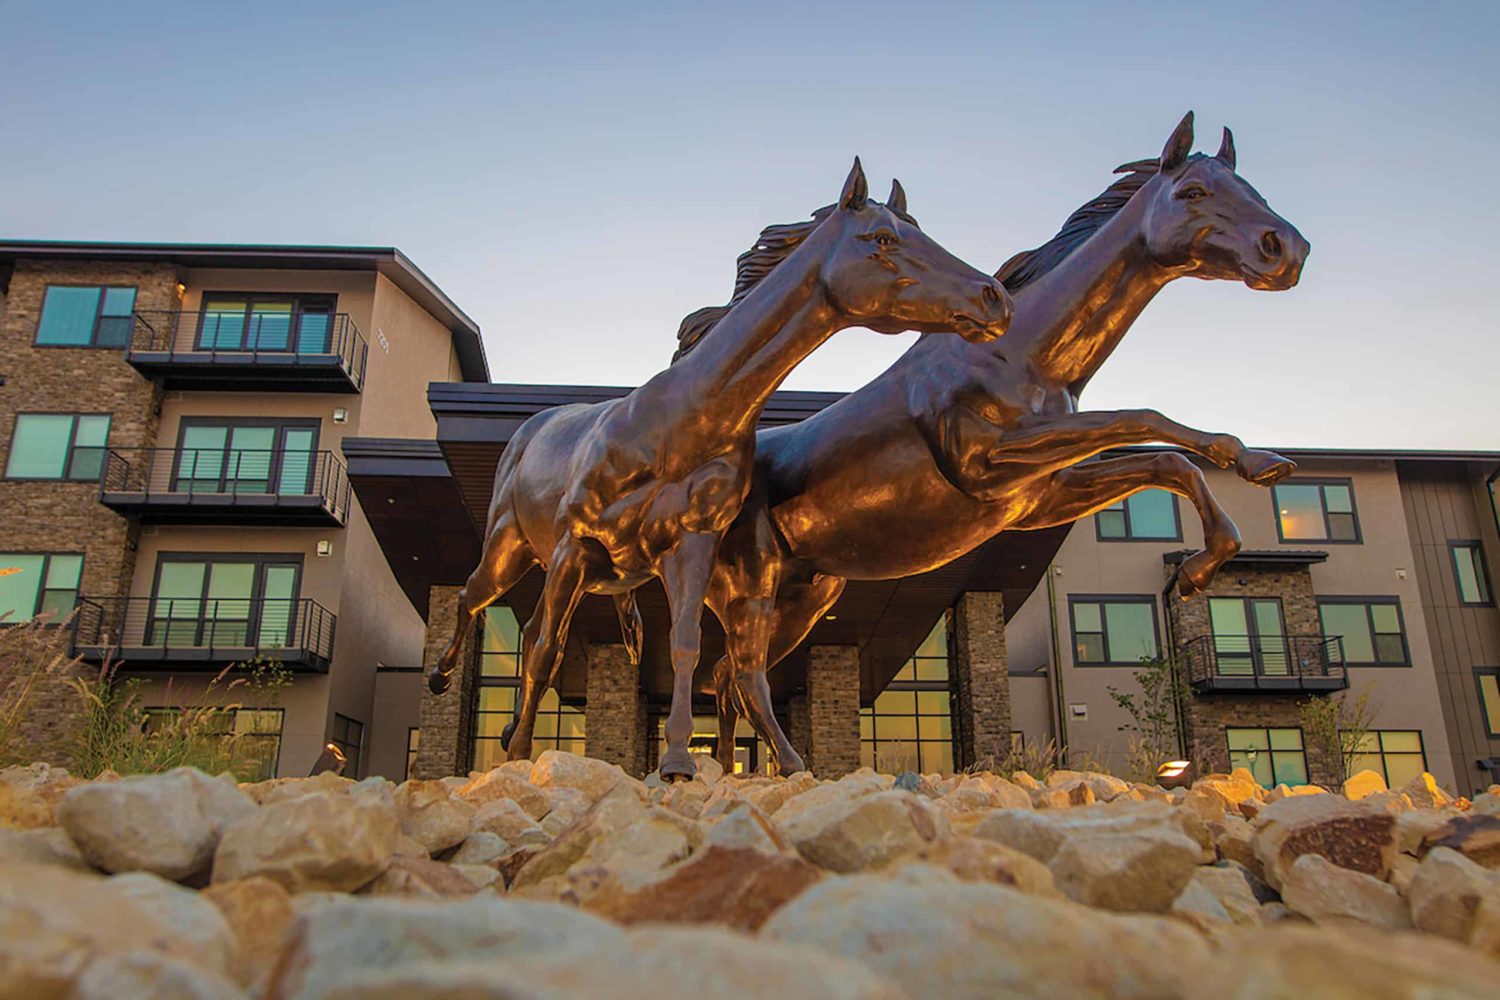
{"points": [[171, 420]]}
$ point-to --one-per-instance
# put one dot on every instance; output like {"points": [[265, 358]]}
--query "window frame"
{"points": [[39, 598], [1102, 599], [1491, 725], [512, 682], [1368, 601], [1130, 535], [413, 746], [299, 301], [1381, 752], [172, 711], [93, 344], [1266, 730], [357, 757], [920, 744], [257, 588], [69, 451], [1322, 483], [1482, 570], [278, 452]]}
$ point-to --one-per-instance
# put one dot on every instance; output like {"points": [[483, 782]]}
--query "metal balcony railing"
{"points": [[1253, 662], [215, 631], [267, 345], [226, 484]]}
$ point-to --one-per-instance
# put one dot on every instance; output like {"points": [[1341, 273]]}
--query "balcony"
{"points": [[230, 486], [1246, 663], [303, 352], [146, 633]]}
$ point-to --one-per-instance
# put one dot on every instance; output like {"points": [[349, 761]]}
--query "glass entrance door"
{"points": [[1249, 637]]}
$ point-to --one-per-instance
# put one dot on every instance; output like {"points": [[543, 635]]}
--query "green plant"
{"points": [[1037, 759], [1153, 717], [33, 656], [1336, 727]]}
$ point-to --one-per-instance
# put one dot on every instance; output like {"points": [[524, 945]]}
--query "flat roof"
{"points": [[389, 261]]}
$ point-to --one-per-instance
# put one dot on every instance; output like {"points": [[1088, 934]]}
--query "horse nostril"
{"points": [[1270, 244]]}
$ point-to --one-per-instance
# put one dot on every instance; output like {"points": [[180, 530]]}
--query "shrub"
{"points": [[1336, 727], [1152, 727]]}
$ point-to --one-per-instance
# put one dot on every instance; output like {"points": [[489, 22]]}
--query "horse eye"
{"points": [[885, 240], [1194, 193]]}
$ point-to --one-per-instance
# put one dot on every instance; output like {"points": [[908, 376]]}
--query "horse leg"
{"points": [[631, 629], [543, 639], [1086, 489], [727, 708], [685, 573], [506, 559]]}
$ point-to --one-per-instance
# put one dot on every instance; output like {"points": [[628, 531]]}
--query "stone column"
{"points": [[615, 713], [447, 720], [980, 675], [833, 709], [799, 727]]}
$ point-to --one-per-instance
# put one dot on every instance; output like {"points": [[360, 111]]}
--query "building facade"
{"points": [[171, 420]]}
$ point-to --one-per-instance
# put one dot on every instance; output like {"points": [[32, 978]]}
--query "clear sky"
{"points": [[579, 176]]}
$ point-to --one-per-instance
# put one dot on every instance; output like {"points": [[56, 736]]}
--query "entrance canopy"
{"points": [[427, 502]]}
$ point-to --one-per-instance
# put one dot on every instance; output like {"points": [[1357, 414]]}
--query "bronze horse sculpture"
{"points": [[955, 443], [607, 496]]}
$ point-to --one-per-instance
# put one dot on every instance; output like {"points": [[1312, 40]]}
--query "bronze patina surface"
{"points": [[956, 442], [607, 496]]}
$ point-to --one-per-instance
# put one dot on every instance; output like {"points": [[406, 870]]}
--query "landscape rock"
{"points": [[191, 919], [746, 827], [1447, 891], [1214, 897], [1364, 783], [257, 912], [507, 819], [1352, 835], [30, 794], [619, 836], [1424, 792], [421, 877], [321, 841], [976, 860], [149, 976], [1475, 837], [557, 769], [429, 815], [504, 783], [564, 807], [480, 876], [1134, 871], [851, 834], [1323, 892], [46, 845], [481, 848]]}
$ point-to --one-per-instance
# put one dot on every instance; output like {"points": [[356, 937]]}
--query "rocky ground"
{"points": [[568, 878]]}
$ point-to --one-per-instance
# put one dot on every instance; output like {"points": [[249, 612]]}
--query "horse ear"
{"points": [[1175, 153], [897, 201], [856, 189], [1226, 148]]}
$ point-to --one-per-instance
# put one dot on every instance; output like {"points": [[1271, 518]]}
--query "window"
{"points": [[42, 585], [86, 316], [58, 446], [349, 736], [1147, 515], [559, 726], [1394, 754], [245, 456], [749, 754], [413, 742], [1488, 679], [1113, 631], [1472, 578], [256, 733], [910, 725], [236, 321], [1315, 511], [1249, 637], [1370, 630], [1274, 756], [224, 601]]}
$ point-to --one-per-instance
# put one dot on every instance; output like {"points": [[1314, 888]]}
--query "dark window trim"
{"points": [[410, 732], [299, 301], [1367, 601], [1491, 726], [68, 453], [1359, 530], [1129, 535], [1267, 730], [257, 586], [357, 758], [41, 590], [1454, 544], [1380, 749], [233, 710], [278, 450], [1111, 599], [93, 344]]}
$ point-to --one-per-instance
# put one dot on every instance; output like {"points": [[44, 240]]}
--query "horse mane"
{"points": [[774, 245], [1029, 265]]}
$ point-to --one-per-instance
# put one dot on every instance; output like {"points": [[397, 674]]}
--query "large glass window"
{"points": [[1488, 679], [245, 456], [1113, 631], [1394, 754], [1370, 629], [910, 725], [224, 601], [241, 322], [750, 755], [38, 585], [1249, 637], [1147, 515], [256, 732], [1470, 575], [86, 316], [349, 736], [1274, 756], [58, 446], [559, 726], [1315, 511]]}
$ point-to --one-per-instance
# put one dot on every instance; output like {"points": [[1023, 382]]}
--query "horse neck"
{"points": [[728, 378], [1070, 319]]}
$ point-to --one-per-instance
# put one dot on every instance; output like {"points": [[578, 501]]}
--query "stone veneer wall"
{"points": [[447, 720], [980, 678], [615, 712], [55, 516], [1206, 716], [833, 710]]}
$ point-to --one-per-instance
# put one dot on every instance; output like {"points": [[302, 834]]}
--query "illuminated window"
{"points": [[1117, 631], [1315, 511], [1470, 575], [1369, 629], [38, 585], [58, 446], [349, 736], [1274, 756], [1488, 679], [413, 741], [1394, 754], [750, 756], [559, 726], [1150, 515], [910, 726]]}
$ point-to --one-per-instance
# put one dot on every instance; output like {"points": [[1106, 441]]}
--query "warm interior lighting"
{"points": [[1173, 768], [830, 618]]}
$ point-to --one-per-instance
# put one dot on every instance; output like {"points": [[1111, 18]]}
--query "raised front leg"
{"points": [[1078, 492], [684, 575]]}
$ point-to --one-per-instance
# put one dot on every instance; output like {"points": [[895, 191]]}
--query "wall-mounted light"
{"points": [[181, 289], [830, 618], [1079, 711], [325, 547], [340, 415]]}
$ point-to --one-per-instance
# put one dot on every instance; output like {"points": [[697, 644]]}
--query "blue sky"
{"points": [[579, 176]]}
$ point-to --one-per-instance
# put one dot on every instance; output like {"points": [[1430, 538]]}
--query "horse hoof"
{"points": [[790, 765], [438, 682], [506, 734], [678, 765], [1196, 574], [1263, 468]]}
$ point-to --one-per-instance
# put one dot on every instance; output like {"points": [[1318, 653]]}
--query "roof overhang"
{"points": [[388, 261]]}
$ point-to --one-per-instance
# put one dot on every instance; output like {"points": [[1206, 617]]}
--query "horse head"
{"points": [[883, 273], [1202, 219]]}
